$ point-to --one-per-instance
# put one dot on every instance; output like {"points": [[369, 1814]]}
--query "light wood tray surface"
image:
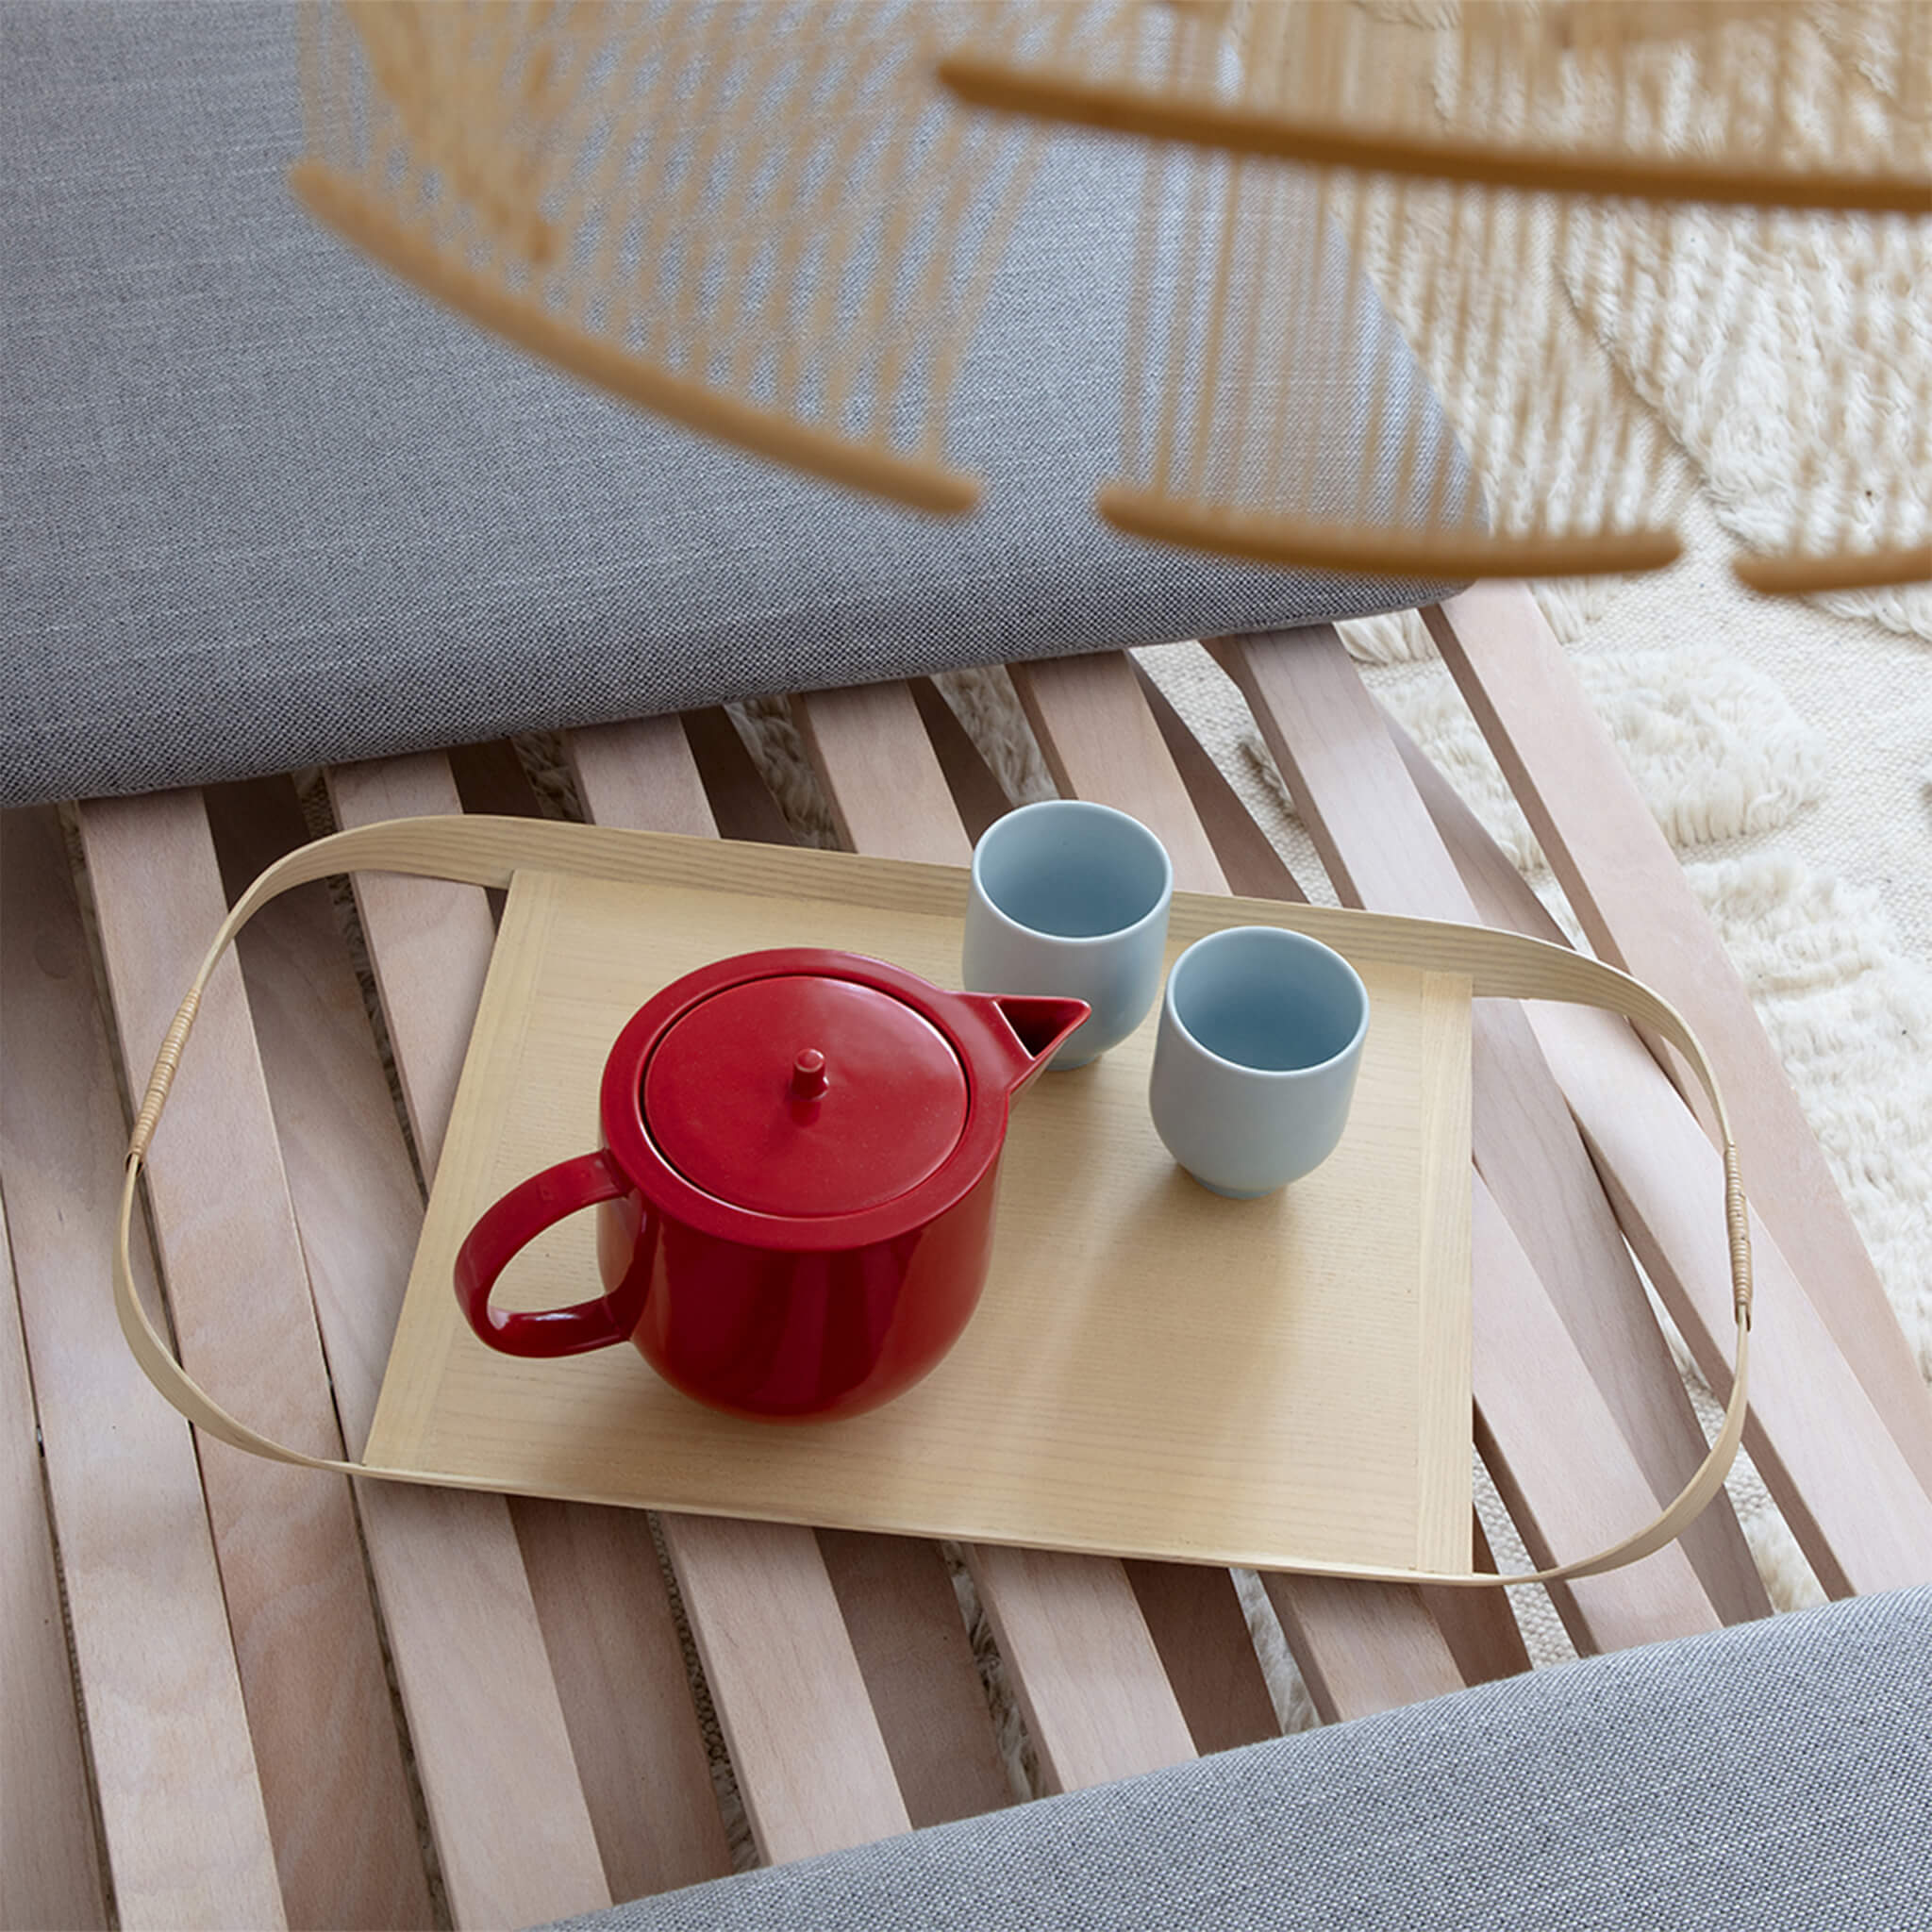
{"points": [[1152, 1371]]}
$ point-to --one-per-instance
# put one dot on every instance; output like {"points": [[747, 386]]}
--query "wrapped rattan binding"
{"points": [[762, 222]]}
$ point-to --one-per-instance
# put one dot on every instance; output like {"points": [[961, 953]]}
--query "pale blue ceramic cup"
{"points": [[1260, 1038], [1071, 898]]}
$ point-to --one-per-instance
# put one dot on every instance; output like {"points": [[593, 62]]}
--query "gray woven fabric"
{"points": [[259, 506], [1772, 1779]]}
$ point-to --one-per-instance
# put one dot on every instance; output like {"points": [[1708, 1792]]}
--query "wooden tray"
{"points": [[1152, 1371]]}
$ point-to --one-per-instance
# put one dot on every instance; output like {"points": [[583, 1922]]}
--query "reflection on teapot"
{"points": [[796, 1185]]}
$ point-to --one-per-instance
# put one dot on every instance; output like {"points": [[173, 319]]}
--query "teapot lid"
{"points": [[805, 1094]]}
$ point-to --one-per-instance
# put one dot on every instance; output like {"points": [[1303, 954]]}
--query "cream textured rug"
{"points": [[1785, 748]]}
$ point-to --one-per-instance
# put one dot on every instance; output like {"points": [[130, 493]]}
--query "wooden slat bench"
{"points": [[235, 1694]]}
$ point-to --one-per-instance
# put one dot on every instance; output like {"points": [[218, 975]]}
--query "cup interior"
{"points": [[1072, 870], [1275, 1001]]}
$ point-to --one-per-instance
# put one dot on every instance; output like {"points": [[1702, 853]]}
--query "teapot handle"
{"points": [[513, 1224]]}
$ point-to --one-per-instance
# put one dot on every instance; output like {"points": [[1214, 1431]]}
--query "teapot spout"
{"points": [[1038, 1025]]}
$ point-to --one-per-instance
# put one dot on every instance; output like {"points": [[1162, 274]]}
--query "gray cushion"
{"points": [[259, 506], [1772, 1779]]}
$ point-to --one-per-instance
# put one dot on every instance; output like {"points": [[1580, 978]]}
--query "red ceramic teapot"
{"points": [[796, 1189]]}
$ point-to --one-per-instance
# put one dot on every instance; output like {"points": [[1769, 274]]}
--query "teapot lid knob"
{"points": [[739, 1095]]}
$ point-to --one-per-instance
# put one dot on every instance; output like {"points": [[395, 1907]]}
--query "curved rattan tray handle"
{"points": [[489, 851]]}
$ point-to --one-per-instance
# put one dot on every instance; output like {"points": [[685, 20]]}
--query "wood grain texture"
{"points": [[890, 795], [657, 784], [305, 1631], [740, 804], [1561, 1466], [1639, 913], [641, 773], [1839, 1480], [1101, 741], [359, 1203], [620, 1676], [186, 1839], [811, 1760], [880, 775], [1361, 1648], [428, 940], [597, 1593], [902, 1615], [1247, 858], [489, 777], [515, 1837], [1558, 1501], [1097, 1703], [1200, 1632], [1317, 1452], [1381, 851], [978, 795], [1486, 1647], [1834, 1470], [49, 1867], [896, 796], [608, 864]]}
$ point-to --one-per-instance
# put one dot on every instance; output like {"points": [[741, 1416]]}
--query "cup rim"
{"points": [[1298, 941], [1085, 808]]}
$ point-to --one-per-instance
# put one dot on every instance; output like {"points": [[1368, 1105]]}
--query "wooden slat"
{"points": [[1102, 742], [1561, 1466], [1200, 1634], [1842, 1482], [186, 1839], [429, 940], [740, 804], [449, 925], [1084, 711], [49, 1869], [305, 1632], [515, 1838], [1381, 850], [1487, 1648], [1089, 1679], [489, 777], [1248, 860], [978, 794], [359, 1204], [641, 773], [607, 1622], [1484, 1646], [916, 1657], [1639, 911], [917, 1689], [811, 1760], [880, 773], [907, 809], [1560, 1503], [1361, 1648], [1834, 1470]]}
